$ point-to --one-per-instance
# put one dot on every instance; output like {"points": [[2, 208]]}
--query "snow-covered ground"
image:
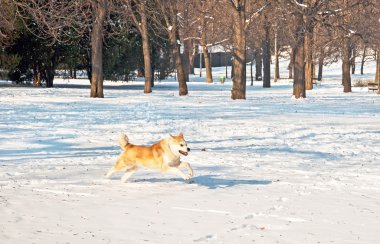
{"points": [[269, 169]]}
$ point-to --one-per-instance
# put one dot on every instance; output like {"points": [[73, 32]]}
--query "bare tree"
{"points": [[243, 13], [266, 52], [313, 10], [206, 18], [374, 27], [167, 13], [138, 11], [238, 11], [299, 51], [344, 17], [100, 8], [371, 35]]}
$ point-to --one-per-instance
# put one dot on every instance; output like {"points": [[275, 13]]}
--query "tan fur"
{"points": [[163, 155]]}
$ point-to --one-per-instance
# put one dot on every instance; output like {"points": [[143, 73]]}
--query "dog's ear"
{"points": [[180, 135]]}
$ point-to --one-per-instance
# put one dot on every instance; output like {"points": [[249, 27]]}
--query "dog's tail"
{"points": [[123, 140]]}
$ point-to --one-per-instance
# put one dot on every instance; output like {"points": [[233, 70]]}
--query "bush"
{"points": [[362, 82]]}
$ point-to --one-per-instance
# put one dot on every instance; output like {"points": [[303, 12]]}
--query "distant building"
{"points": [[218, 57]]}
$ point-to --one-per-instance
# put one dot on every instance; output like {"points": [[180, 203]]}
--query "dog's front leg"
{"points": [[177, 171], [187, 165]]}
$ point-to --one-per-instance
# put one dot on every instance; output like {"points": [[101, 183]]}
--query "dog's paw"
{"points": [[188, 177]]}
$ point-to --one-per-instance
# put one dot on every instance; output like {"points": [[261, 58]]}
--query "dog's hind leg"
{"points": [[129, 172], [110, 172], [119, 166]]}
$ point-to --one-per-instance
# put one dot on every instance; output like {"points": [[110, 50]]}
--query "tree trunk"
{"points": [[100, 9], [50, 75], [153, 65], [377, 78], [277, 68], [226, 63], [309, 58], [196, 53], [232, 70], [182, 91], [266, 56], [187, 58], [291, 65], [363, 60], [88, 64], [51, 66], [200, 64], [252, 71], [162, 64], [205, 50], [239, 44], [146, 49], [346, 56], [352, 61], [320, 64], [258, 64], [277, 55], [207, 65], [299, 58], [192, 58]]}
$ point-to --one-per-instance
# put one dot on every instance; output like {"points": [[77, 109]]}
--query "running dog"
{"points": [[163, 155]]}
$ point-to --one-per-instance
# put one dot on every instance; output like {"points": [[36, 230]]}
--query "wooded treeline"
{"points": [[111, 39]]}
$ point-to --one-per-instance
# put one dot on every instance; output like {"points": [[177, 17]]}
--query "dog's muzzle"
{"points": [[185, 153]]}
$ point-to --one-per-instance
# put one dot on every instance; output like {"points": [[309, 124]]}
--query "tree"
{"points": [[38, 58], [242, 15], [309, 44], [374, 11], [238, 10], [377, 78], [345, 16], [266, 52], [100, 8], [122, 56], [206, 16], [277, 55], [167, 13], [299, 52], [63, 21], [258, 63], [138, 11], [370, 25]]}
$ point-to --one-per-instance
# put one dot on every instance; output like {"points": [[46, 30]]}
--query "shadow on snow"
{"points": [[210, 181]]}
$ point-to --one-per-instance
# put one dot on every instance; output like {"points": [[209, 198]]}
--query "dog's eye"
{"points": [[182, 145]]}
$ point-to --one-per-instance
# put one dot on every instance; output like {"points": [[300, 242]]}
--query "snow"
{"points": [[269, 169]]}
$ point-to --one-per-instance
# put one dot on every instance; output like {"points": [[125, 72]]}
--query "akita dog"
{"points": [[163, 155]]}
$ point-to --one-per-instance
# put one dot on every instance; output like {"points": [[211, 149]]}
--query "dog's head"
{"points": [[178, 145]]}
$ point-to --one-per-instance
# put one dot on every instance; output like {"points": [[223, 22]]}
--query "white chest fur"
{"points": [[173, 162]]}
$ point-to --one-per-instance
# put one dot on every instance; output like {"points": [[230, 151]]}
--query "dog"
{"points": [[163, 155]]}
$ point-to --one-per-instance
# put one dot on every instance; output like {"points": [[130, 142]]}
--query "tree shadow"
{"points": [[210, 181], [213, 182], [52, 148]]}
